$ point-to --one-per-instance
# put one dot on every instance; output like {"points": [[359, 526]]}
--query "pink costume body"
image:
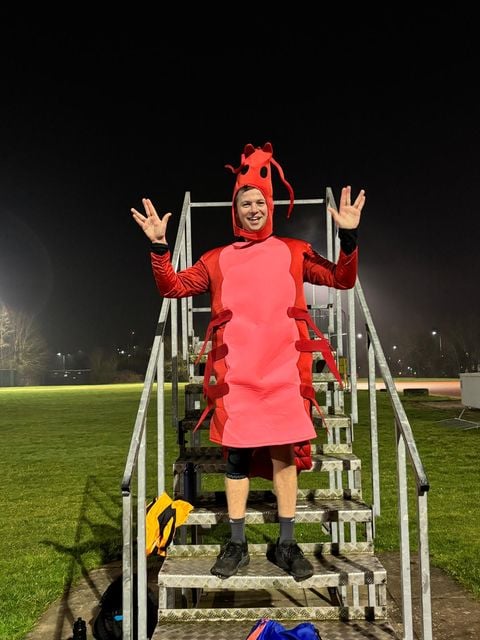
{"points": [[261, 353]]}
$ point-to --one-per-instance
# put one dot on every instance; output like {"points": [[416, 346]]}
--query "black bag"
{"points": [[108, 622]]}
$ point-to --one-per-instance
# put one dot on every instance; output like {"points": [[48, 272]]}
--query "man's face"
{"points": [[251, 208]]}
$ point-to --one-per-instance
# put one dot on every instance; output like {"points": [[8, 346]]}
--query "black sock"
{"points": [[237, 527], [286, 528]]}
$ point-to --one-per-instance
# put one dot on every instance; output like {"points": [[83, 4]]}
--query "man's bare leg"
{"points": [[236, 491], [284, 479]]}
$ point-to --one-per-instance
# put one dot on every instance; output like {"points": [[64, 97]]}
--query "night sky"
{"points": [[95, 117]]}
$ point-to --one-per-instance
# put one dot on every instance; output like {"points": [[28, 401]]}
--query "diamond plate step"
{"points": [[211, 460], [325, 447], [238, 630], [281, 614], [335, 448], [335, 462], [322, 386], [329, 494], [309, 548], [210, 451], [260, 573], [260, 495], [338, 421], [325, 376], [355, 588], [210, 512]]}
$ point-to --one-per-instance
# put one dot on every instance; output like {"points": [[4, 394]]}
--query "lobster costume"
{"points": [[261, 354]]}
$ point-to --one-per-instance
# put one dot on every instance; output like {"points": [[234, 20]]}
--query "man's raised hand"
{"points": [[348, 215], [154, 227]]}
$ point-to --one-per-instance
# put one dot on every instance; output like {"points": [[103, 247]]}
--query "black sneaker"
{"points": [[288, 556], [232, 556]]}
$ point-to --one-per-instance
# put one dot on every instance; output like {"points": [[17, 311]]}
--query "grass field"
{"points": [[62, 458]]}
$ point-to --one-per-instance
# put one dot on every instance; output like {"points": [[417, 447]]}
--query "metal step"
{"points": [[337, 421], [238, 630], [298, 614], [260, 549], [211, 460], [360, 579], [261, 495], [260, 573], [209, 451], [322, 386], [329, 494], [325, 448], [325, 376], [208, 511], [335, 448]]}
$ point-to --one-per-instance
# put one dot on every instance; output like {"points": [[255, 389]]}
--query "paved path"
{"points": [[455, 612]]}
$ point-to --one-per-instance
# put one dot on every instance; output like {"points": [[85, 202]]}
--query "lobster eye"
{"points": [[263, 172], [245, 169]]}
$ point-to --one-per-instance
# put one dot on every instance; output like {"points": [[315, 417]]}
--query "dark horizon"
{"points": [[91, 123]]}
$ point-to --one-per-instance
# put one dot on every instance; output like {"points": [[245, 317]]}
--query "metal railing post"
{"points": [[404, 536]]}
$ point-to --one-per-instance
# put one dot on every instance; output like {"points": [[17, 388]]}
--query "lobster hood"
{"points": [[255, 171]]}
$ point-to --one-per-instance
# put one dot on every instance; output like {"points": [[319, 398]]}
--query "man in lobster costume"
{"points": [[261, 353]]}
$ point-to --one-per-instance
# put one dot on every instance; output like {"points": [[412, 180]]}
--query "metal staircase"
{"points": [[347, 595]]}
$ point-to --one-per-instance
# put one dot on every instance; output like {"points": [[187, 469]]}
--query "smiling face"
{"points": [[251, 209]]}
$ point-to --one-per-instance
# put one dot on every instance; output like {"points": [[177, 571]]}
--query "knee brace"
{"points": [[238, 463]]}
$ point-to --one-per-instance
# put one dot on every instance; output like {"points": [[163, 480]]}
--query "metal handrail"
{"points": [[136, 461], [405, 447]]}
